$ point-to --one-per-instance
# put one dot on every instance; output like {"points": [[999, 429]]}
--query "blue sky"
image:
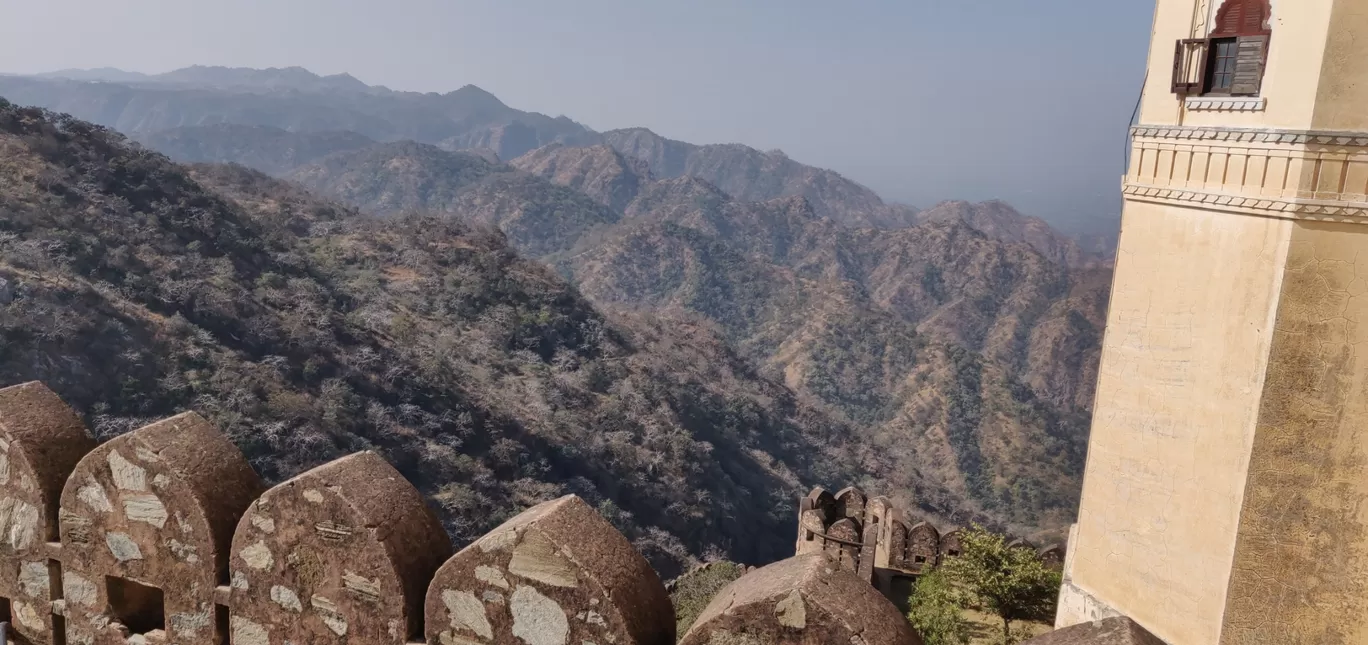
{"points": [[922, 100]]}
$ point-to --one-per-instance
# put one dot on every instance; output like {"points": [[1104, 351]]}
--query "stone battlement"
{"points": [[166, 535], [881, 543]]}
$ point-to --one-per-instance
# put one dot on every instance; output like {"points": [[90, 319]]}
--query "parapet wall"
{"points": [[165, 535]]}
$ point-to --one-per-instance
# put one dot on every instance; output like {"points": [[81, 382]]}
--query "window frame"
{"points": [[1235, 26], [1213, 61]]}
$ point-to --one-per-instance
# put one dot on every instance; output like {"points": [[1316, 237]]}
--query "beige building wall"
{"points": [[1225, 499], [1183, 361], [1300, 573]]}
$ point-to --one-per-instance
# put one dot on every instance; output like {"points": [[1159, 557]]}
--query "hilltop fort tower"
{"points": [[1225, 499]]}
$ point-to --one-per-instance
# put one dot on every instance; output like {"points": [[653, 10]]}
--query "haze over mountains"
{"points": [[468, 118], [512, 306]]}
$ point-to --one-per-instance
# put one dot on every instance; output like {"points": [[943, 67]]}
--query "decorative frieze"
{"points": [[1226, 103], [1295, 209], [1301, 174], [1251, 135]]}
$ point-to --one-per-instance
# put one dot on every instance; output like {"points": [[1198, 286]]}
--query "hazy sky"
{"points": [[922, 100]]}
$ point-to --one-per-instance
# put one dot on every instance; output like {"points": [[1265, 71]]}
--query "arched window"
{"points": [[1230, 60], [1241, 18]]}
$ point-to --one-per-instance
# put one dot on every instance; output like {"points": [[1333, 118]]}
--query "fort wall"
{"points": [[165, 535]]}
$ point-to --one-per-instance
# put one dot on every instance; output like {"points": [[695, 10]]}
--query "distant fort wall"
{"points": [[881, 543]]}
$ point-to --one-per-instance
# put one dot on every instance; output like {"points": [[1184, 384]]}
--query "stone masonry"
{"points": [[343, 550], [41, 440], [164, 535], [877, 542], [556, 573], [807, 600]]}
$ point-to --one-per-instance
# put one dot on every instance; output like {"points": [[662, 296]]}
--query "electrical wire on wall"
{"points": [[1125, 155]]}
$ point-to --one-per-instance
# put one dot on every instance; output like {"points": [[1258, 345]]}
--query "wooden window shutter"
{"points": [[1190, 65], [1230, 19], [1241, 18], [1250, 54]]}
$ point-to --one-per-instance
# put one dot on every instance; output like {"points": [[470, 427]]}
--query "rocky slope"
{"points": [[955, 350], [968, 361], [265, 148], [1000, 221], [538, 216], [137, 288], [751, 175]]}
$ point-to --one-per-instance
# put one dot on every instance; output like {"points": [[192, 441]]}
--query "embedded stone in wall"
{"points": [[41, 441], [1110, 631], [343, 550], [804, 600], [556, 574], [147, 520]]}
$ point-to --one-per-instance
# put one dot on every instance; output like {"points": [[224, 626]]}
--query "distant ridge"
{"points": [[219, 76], [751, 175], [470, 118]]}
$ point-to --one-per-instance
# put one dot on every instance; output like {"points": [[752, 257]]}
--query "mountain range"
{"points": [[137, 288], [513, 306], [967, 359], [468, 119]]}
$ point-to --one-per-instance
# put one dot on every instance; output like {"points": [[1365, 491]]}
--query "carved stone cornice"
{"points": [[1251, 135], [1307, 209], [1225, 104]]}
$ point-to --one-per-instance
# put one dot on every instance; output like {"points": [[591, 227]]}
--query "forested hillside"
{"points": [[137, 288], [966, 361], [944, 356]]}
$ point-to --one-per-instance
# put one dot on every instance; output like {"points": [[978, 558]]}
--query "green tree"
{"points": [[936, 610], [1011, 582]]}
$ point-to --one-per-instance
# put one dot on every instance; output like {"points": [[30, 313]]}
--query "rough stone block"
{"points": [[147, 520], [556, 574], [1110, 631], [41, 441], [803, 600], [343, 552]]}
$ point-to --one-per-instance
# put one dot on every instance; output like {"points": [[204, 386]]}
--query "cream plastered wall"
{"points": [[1291, 79], [1182, 369], [1300, 572], [1342, 97]]}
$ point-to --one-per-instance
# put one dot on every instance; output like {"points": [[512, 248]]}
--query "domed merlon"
{"points": [[41, 441], [343, 550], [1110, 631], [147, 519], [816, 511], [557, 573], [804, 600]]}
